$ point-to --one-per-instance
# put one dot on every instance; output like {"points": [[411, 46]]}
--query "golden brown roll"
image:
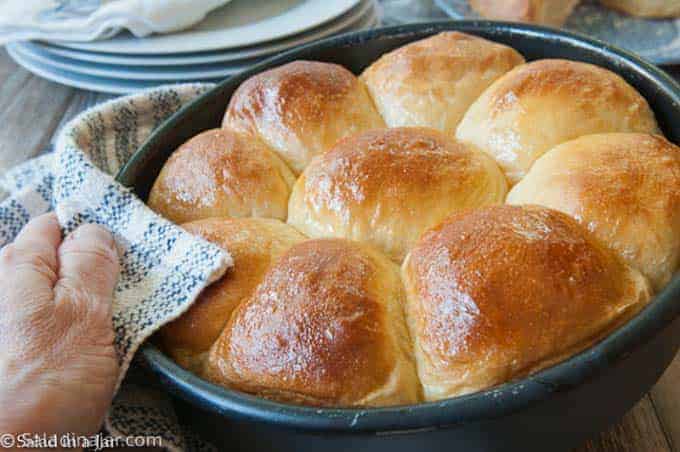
{"points": [[254, 244], [646, 8], [547, 12], [625, 188], [387, 186], [504, 291], [432, 82], [324, 328], [302, 108], [222, 173], [544, 103]]}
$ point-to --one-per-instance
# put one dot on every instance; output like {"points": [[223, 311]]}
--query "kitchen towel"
{"points": [[163, 268], [87, 20]]}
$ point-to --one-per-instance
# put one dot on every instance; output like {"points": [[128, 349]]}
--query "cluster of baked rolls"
{"points": [[449, 220]]}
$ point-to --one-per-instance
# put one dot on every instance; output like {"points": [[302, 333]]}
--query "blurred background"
{"points": [[121, 46]]}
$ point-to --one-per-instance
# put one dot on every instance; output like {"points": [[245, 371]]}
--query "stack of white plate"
{"points": [[232, 38]]}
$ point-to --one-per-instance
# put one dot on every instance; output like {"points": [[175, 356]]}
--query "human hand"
{"points": [[58, 366]]}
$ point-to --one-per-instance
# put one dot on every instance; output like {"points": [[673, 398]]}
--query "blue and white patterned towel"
{"points": [[163, 268]]}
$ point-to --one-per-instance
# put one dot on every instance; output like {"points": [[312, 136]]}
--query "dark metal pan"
{"points": [[555, 409]]}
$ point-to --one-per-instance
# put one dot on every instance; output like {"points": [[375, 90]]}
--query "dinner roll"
{"points": [[325, 327], [387, 186], [547, 12], [302, 108], [646, 8], [222, 173], [254, 244], [625, 188], [432, 82], [544, 103], [500, 292]]}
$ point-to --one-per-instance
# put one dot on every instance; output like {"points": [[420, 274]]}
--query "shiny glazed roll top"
{"points": [[222, 173], [623, 187], [541, 104], [301, 109], [254, 245], [500, 292], [432, 82], [325, 327], [387, 186]]}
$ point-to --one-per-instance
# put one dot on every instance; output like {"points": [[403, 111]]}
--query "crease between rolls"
{"points": [[327, 318]]}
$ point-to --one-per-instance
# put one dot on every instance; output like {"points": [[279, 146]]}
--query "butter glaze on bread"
{"points": [[301, 109], [625, 188], [387, 186], [546, 12], [646, 8], [500, 292], [254, 245], [432, 82], [222, 173], [488, 292], [325, 327], [541, 104]]}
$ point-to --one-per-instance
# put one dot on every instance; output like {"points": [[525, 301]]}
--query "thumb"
{"points": [[88, 270]]}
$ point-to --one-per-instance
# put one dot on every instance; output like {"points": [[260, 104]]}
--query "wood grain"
{"points": [[638, 431], [30, 109], [666, 400]]}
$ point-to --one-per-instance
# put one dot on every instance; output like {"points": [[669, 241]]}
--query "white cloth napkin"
{"points": [[87, 20], [163, 269]]}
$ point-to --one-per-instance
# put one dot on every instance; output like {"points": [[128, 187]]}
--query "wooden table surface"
{"points": [[32, 111]]}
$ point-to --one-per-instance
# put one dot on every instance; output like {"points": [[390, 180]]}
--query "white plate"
{"points": [[90, 82], [239, 23], [246, 53], [177, 73], [130, 72], [101, 84]]}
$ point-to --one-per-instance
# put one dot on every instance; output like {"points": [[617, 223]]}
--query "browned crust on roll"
{"points": [[295, 92], [405, 161], [623, 187], [431, 82], [301, 109], [254, 244], [222, 173], [569, 78], [325, 327], [387, 186], [499, 292], [541, 104]]}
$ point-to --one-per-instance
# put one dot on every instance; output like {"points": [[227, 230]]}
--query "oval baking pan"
{"points": [[555, 409]]}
